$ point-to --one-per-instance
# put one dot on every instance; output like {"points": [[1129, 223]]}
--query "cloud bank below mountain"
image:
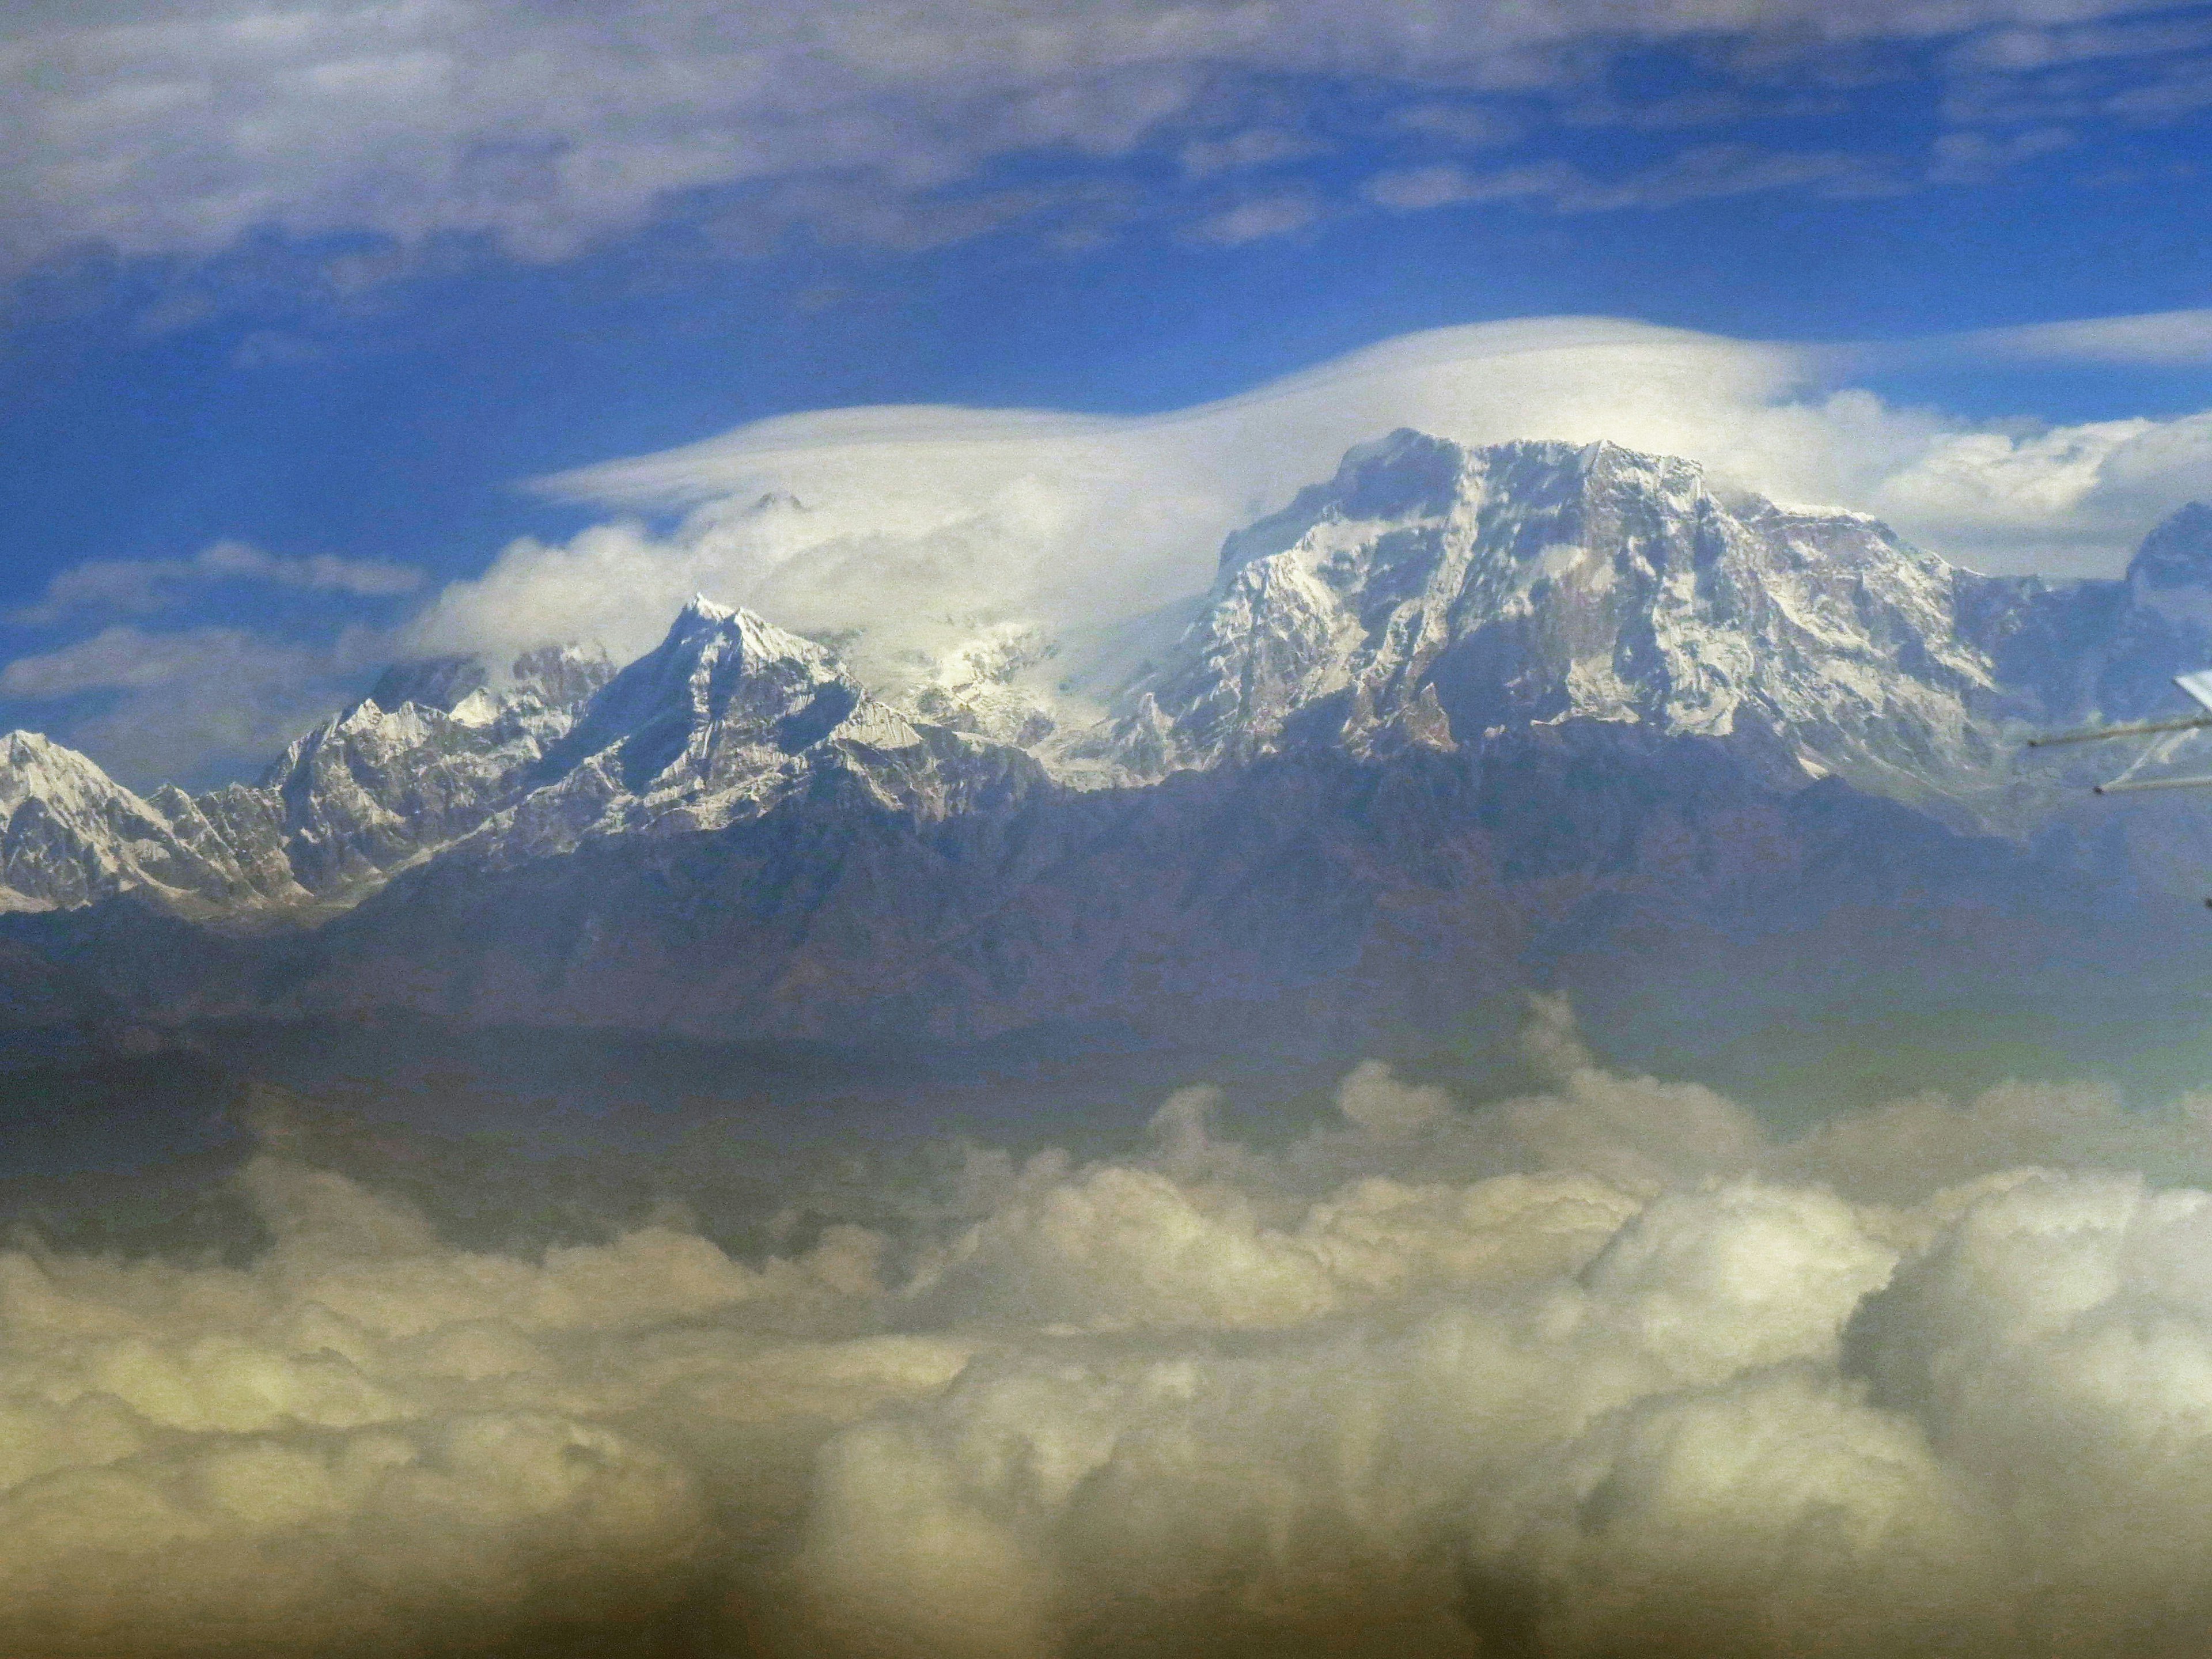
{"points": [[1606, 1369]]}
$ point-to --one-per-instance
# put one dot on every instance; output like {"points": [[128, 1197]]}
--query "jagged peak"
{"points": [[438, 682], [33, 764], [561, 653], [700, 608], [703, 621], [21, 742], [26, 751], [2178, 552], [1407, 475]]}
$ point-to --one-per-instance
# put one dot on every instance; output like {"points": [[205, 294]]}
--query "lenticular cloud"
{"points": [[1601, 1370]]}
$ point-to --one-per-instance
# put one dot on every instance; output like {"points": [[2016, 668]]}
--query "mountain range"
{"points": [[1450, 722]]}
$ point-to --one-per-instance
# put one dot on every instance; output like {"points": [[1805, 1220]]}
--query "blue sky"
{"points": [[299, 298]]}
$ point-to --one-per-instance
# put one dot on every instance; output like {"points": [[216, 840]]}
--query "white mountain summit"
{"points": [[1433, 594], [430, 753], [726, 717], [1429, 596]]}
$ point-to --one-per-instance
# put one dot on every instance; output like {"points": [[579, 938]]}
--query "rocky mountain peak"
{"points": [[1405, 477], [563, 676], [33, 765], [71, 834], [722, 674], [437, 683], [726, 716], [1430, 593], [551, 676], [1428, 596], [2172, 571]]}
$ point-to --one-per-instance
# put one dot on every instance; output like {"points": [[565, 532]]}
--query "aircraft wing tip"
{"points": [[2197, 686]]}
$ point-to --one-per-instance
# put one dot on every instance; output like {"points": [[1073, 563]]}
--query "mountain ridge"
{"points": [[1376, 666]]}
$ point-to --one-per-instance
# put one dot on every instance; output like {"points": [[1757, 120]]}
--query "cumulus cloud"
{"points": [[905, 531], [172, 128], [1606, 1369]]}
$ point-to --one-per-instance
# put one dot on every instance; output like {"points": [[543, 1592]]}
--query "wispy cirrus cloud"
{"points": [[174, 128], [1700, 172], [215, 685], [1258, 218], [138, 587], [193, 703]]}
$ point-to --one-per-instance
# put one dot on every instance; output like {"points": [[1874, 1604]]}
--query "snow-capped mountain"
{"points": [[71, 836], [1428, 597], [2169, 574], [727, 718], [431, 752], [1436, 595]]}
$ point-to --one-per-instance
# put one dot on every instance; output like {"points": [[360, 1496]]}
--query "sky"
{"points": [[333, 333]]}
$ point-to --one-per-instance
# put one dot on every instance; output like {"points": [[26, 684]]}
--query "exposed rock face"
{"points": [[1454, 713], [2172, 573], [386, 783], [1430, 594], [368, 792], [726, 719], [73, 835], [1304, 895]]}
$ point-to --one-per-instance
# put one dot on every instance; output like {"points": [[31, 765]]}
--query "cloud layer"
{"points": [[1604, 1370], [145, 586], [914, 535], [168, 128], [919, 526]]}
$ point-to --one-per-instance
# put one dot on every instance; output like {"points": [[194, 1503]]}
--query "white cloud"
{"points": [[1458, 124], [123, 658], [2046, 496], [319, 572], [1604, 1370], [1255, 219], [1965, 158], [922, 527], [140, 585], [909, 531], [2159, 339], [1701, 172], [196, 702], [1417, 190], [174, 128], [1256, 147], [192, 703]]}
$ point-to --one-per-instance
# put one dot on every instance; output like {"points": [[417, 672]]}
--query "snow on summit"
{"points": [[1429, 594]]}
